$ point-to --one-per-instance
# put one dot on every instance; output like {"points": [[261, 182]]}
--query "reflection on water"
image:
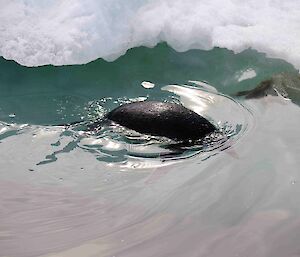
{"points": [[244, 197], [117, 145], [67, 192]]}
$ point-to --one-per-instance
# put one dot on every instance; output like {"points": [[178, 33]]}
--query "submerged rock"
{"points": [[285, 84], [170, 120]]}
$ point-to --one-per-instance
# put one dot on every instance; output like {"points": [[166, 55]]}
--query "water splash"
{"points": [[119, 146], [71, 32]]}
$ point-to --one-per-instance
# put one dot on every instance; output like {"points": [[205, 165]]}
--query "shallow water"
{"points": [[65, 192]]}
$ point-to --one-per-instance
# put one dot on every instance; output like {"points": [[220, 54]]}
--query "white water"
{"points": [[73, 31]]}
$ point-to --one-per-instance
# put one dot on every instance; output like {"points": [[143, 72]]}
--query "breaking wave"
{"points": [[63, 32]]}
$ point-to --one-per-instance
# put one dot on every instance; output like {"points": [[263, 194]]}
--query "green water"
{"points": [[54, 95], [65, 192]]}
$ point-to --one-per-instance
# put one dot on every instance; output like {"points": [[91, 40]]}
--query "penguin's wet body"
{"points": [[155, 118]]}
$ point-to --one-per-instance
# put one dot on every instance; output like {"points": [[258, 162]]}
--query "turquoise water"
{"points": [[52, 95], [65, 192]]}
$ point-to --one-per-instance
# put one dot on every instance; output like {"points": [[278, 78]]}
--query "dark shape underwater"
{"points": [[286, 84], [170, 120]]}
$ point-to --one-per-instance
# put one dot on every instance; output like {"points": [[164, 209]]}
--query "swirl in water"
{"points": [[126, 148]]}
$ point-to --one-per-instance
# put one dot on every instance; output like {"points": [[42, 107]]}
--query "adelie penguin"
{"points": [[169, 120]]}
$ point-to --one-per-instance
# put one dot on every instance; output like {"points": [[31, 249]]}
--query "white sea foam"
{"points": [[76, 31]]}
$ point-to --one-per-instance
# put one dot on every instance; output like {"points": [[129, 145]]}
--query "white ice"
{"points": [[72, 31]]}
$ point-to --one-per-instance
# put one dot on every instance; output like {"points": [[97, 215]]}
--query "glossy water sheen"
{"points": [[68, 192]]}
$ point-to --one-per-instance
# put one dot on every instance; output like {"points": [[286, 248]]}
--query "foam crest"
{"points": [[72, 31]]}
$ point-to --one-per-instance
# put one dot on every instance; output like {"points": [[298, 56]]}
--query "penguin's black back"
{"points": [[162, 119]]}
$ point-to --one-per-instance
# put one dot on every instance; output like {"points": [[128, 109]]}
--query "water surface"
{"points": [[68, 193]]}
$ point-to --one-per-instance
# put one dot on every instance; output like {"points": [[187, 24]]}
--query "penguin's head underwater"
{"points": [[155, 118]]}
